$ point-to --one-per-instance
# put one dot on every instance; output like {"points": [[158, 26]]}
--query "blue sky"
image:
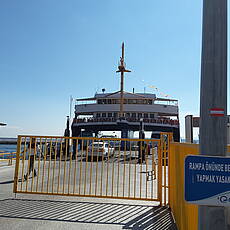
{"points": [[51, 49]]}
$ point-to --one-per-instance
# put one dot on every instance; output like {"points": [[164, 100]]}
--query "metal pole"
{"points": [[213, 129], [70, 107], [121, 69], [122, 81], [122, 95], [189, 129]]}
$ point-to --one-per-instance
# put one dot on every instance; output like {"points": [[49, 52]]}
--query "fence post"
{"points": [[170, 139], [17, 164], [10, 162], [159, 171]]}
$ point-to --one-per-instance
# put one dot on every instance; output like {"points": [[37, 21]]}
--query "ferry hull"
{"points": [[95, 128]]}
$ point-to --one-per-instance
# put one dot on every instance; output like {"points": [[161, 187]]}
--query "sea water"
{"points": [[4, 148], [8, 148]]}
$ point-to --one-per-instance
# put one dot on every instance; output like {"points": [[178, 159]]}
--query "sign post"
{"points": [[213, 98]]}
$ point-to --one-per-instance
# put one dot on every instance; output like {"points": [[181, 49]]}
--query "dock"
{"points": [[26, 211]]}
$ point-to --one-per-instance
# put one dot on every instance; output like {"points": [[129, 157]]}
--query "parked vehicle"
{"points": [[100, 149]]}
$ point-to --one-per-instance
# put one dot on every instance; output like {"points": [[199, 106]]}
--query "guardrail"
{"points": [[8, 157]]}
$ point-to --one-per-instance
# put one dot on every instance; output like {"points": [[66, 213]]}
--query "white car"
{"points": [[99, 149]]}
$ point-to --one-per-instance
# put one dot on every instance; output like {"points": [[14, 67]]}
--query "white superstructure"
{"points": [[105, 107]]}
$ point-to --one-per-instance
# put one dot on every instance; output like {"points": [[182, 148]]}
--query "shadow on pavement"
{"points": [[129, 216], [7, 182]]}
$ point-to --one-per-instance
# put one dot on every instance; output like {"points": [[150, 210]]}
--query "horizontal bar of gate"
{"points": [[89, 167]]}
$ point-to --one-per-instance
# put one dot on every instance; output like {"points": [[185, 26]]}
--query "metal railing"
{"points": [[162, 121], [93, 167], [7, 157]]}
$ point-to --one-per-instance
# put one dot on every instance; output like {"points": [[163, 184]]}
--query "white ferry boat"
{"points": [[123, 111]]}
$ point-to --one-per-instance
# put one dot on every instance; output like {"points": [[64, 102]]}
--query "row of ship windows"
{"points": [[126, 101], [133, 115]]}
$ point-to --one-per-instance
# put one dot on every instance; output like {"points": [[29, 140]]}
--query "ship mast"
{"points": [[121, 69]]}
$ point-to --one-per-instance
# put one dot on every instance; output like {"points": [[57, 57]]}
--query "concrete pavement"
{"points": [[52, 212]]}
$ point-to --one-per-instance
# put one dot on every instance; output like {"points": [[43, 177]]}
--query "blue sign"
{"points": [[207, 180]]}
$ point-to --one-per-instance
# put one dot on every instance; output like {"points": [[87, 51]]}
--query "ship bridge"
{"points": [[135, 105]]}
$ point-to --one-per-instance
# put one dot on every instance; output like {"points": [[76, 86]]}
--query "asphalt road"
{"points": [[30, 212], [116, 177]]}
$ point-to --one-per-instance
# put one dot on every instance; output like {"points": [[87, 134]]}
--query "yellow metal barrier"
{"points": [[141, 169], [92, 167], [164, 183], [186, 215], [7, 157]]}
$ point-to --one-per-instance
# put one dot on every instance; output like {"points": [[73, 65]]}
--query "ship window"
{"points": [[104, 101], [151, 115], [109, 114], [113, 101], [139, 115], [99, 101], [98, 115], [109, 101], [127, 114], [145, 102], [103, 114], [132, 101], [115, 114], [146, 115], [139, 101], [134, 115], [125, 101]]}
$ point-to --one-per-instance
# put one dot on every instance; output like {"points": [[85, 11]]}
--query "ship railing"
{"points": [[146, 120]]}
